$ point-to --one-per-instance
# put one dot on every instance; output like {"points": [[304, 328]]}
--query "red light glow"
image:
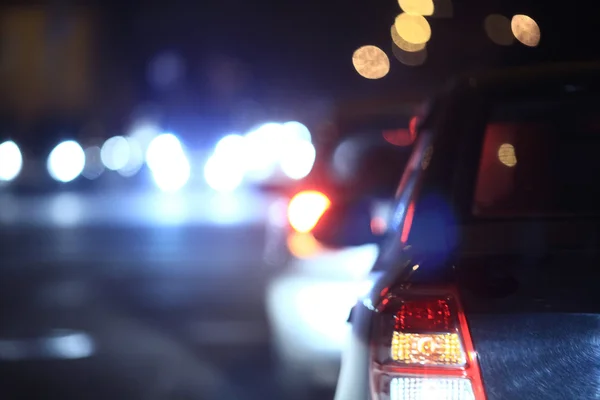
{"points": [[424, 316], [305, 210], [408, 220]]}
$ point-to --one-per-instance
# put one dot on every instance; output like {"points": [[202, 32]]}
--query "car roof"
{"points": [[527, 75], [512, 77]]}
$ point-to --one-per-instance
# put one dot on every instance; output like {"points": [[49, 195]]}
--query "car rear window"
{"points": [[539, 157]]}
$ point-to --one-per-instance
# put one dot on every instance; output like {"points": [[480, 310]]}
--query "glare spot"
{"points": [[298, 131], [371, 62], [403, 44], [411, 59], [526, 30], [298, 160], [115, 153], [417, 7], [506, 155], [305, 210], [323, 315], [161, 149], [144, 133], [167, 161], [232, 146], [413, 28], [264, 147], [11, 161], [135, 161], [221, 174], [66, 161], [69, 345], [364, 288], [93, 163], [303, 245], [497, 27]]}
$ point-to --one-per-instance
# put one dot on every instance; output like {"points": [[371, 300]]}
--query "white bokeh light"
{"points": [[11, 161], [298, 131], [144, 133], [115, 153], [66, 161], [135, 159], [231, 146], [221, 174], [161, 149], [263, 148], [167, 160], [298, 159]]}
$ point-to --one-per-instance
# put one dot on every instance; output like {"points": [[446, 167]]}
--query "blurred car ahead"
{"points": [[487, 284], [308, 321]]}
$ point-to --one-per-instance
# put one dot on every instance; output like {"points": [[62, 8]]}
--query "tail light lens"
{"points": [[422, 349], [305, 209]]}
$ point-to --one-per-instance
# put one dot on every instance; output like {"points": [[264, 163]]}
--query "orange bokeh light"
{"points": [[306, 208]]}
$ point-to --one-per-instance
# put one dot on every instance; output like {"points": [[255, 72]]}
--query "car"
{"points": [[485, 285], [307, 323]]}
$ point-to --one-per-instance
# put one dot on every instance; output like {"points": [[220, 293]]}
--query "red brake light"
{"points": [[422, 349], [306, 208], [424, 315]]}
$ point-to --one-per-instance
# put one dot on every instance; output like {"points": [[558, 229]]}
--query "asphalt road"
{"points": [[138, 297]]}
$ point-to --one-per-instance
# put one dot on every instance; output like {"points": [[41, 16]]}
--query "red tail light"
{"points": [[422, 349], [305, 210]]}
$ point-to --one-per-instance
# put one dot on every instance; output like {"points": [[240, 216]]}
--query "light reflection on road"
{"points": [[70, 209]]}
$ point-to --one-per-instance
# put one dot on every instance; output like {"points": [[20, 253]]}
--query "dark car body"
{"points": [[517, 251]]}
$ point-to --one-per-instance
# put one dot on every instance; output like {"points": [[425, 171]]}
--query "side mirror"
{"points": [[346, 224]]}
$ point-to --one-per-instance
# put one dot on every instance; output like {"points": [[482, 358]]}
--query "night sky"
{"points": [[289, 57], [306, 47]]}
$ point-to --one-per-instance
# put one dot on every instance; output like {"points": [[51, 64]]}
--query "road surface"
{"points": [[145, 296]]}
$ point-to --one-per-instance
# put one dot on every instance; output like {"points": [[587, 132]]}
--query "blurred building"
{"points": [[62, 69], [46, 60]]}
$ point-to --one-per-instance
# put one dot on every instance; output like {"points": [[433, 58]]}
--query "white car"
{"points": [[310, 298]]}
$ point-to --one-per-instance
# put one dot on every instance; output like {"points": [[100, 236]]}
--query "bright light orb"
{"points": [[403, 44], [507, 155], [371, 62], [135, 159], [167, 160], [263, 149], [66, 161], [231, 145], [417, 7], [413, 28], [298, 131], [221, 174], [11, 161], [526, 30], [298, 160], [305, 209], [115, 153]]}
